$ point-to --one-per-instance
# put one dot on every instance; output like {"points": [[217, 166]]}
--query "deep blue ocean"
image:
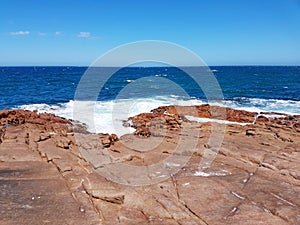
{"points": [[52, 89]]}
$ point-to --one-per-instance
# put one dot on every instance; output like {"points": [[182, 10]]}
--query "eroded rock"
{"points": [[253, 178], [108, 139]]}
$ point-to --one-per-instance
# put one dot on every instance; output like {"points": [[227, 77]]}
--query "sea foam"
{"points": [[108, 116]]}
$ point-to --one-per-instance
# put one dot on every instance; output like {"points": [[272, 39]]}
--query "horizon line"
{"points": [[153, 66]]}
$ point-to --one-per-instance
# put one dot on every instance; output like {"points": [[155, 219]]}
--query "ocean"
{"points": [[52, 89]]}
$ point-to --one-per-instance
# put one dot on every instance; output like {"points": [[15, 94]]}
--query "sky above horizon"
{"points": [[233, 32]]}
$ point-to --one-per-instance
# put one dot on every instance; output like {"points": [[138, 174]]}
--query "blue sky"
{"points": [[224, 32]]}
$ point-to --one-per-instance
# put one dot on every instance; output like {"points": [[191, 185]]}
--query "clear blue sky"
{"points": [[224, 32]]}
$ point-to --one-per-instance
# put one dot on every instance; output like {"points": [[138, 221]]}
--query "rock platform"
{"points": [[50, 172]]}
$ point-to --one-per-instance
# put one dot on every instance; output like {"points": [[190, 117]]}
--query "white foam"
{"points": [[273, 116], [205, 120], [108, 115], [265, 105], [211, 174], [161, 75]]}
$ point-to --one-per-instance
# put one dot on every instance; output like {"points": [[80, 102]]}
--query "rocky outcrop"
{"points": [[108, 139], [17, 117], [45, 120], [209, 111], [49, 174], [171, 118], [145, 122]]}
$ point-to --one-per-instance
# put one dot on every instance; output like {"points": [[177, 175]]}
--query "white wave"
{"points": [[109, 115], [161, 75], [265, 105]]}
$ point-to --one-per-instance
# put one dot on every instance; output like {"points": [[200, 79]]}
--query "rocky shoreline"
{"points": [[49, 172]]}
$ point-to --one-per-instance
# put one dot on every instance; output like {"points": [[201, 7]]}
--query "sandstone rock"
{"points": [[142, 131], [108, 140], [2, 132], [284, 136], [45, 176], [114, 138], [109, 196], [17, 117], [295, 174], [44, 136], [262, 119], [145, 123], [63, 142], [207, 111], [251, 132]]}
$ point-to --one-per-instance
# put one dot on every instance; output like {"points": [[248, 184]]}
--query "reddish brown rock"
{"points": [[145, 122], [49, 175], [142, 131], [2, 132], [17, 117], [207, 111], [251, 132], [108, 139], [48, 121]]}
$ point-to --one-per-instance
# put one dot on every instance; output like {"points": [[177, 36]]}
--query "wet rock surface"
{"points": [[209, 111], [51, 175]]}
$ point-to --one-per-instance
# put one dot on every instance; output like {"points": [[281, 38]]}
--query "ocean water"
{"points": [[52, 89]]}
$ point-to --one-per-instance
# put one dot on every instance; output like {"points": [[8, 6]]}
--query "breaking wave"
{"points": [[109, 120]]}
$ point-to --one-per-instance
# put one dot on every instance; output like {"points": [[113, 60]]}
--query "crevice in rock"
{"points": [[233, 211], [45, 158], [283, 200], [119, 200], [2, 133], [90, 197], [268, 166], [144, 214], [251, 175], [274, 213], [165, 208], [283, 138], [174, 181], [192, 212]]}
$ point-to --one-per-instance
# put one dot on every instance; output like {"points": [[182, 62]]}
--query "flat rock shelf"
{"points": [[254, 179]]}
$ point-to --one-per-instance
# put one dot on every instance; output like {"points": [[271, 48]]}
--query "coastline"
{"points": [[254, 177]]}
